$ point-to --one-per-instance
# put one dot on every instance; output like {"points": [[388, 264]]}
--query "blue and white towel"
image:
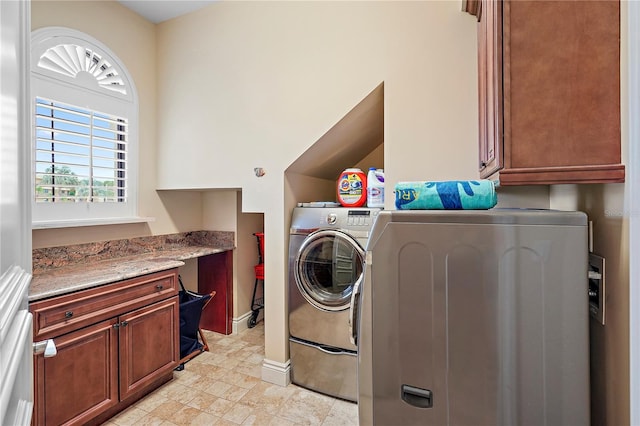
{"points": [[446, 195]]}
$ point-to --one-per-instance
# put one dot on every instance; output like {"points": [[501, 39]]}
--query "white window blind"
{"points": [[85, 132], [80, 155], [70, 60]]}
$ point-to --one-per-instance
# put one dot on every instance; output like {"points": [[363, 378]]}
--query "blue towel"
{"points": [[446, 195]]}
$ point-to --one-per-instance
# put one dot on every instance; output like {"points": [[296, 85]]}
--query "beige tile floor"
{"points": [[223, 387]]}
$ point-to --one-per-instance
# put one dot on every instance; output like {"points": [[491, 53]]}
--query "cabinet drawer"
{"points": [[57, 316]]}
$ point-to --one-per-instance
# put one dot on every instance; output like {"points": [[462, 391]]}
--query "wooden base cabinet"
{"points": [[81, 381], [549, 91], [129, 347], [145, 350]]}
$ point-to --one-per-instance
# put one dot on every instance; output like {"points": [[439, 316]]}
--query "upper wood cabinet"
{"points": [[549, 91]]}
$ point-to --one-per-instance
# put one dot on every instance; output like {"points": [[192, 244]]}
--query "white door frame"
{"points": [[632, 188], [16, 350]]}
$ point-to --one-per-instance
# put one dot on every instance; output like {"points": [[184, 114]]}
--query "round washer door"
{"points": [[327, 266]]}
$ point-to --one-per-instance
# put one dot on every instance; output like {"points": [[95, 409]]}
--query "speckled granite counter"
{"points": [[62, 270]]}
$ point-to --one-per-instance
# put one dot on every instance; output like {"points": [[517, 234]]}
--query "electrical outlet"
{"points": [[596, 287]]}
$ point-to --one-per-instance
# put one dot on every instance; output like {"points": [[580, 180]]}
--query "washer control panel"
{"points": [[359, 218], [309, 219]]}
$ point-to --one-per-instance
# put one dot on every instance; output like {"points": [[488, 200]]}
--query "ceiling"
{"points": [[157, 11]]}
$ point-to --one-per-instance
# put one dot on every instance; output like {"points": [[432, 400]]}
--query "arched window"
{"points": [[85, 112]]}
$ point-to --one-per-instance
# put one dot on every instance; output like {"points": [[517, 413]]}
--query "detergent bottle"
{"points": [[375, 188], [352, 188]]}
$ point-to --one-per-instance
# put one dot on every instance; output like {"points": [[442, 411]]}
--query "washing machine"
{"points": [[326, 259]]}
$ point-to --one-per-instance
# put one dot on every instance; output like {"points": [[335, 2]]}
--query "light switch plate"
{"points": [[597, 287]]}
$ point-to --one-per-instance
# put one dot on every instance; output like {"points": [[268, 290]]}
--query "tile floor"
{"points": [[223, 387]]}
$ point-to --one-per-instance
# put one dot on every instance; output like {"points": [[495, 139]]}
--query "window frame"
{"points": [[85, 93]]}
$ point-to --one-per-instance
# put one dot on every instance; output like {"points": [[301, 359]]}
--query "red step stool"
{"points": [[257, 304]]}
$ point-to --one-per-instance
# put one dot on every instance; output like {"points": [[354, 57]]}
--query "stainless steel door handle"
{"points": [[353, 311], [46, 346]]}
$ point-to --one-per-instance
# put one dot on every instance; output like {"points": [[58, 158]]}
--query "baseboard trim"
{"points": [[242, 322], [276, 372]]}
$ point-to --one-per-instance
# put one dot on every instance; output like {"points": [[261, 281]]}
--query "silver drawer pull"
{"points": [[159, 287], [68, 314]]}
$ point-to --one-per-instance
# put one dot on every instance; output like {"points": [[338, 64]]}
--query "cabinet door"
{"points": [[562, 92], [79, 382], [490, 86], [215, 273], [149, 345]]}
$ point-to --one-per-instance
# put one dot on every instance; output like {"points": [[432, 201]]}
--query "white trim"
{"points": [[276, 372], [51, 224], [24, 411], [632, 189], [16, 356], [24, 133], [241, 323], [14, 287], [16, 359]]}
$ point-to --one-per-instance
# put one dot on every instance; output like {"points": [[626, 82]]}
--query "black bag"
{"points": [[191, 305]]}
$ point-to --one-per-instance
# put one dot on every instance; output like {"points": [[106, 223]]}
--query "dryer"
{"points": [[326, 259]]}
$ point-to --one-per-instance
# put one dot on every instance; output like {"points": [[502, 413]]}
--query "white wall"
{"points": [[254, 84]]}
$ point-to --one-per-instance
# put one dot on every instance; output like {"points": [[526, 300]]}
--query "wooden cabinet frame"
{"points": [[549, 91], [115, 344]]}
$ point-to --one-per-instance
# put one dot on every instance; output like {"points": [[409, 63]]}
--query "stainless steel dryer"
{"points": [[326, 259]]}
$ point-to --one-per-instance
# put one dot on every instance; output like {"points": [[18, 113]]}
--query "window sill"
{"points": [[89, 222]]}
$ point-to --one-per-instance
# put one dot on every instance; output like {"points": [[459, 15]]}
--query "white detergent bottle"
{"points": [[375, 188]]}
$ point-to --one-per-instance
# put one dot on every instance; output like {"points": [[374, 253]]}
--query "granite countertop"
{"points": [[89, 271]]}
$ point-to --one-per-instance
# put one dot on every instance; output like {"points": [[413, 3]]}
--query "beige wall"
{"points": [[222, 212], [134, 43], [247, 258], [609, 343], [606, 206], [133, 40], [240, 85], [270, 78]]}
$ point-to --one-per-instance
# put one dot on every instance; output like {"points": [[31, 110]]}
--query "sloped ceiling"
{"points": [[356, 135]]}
